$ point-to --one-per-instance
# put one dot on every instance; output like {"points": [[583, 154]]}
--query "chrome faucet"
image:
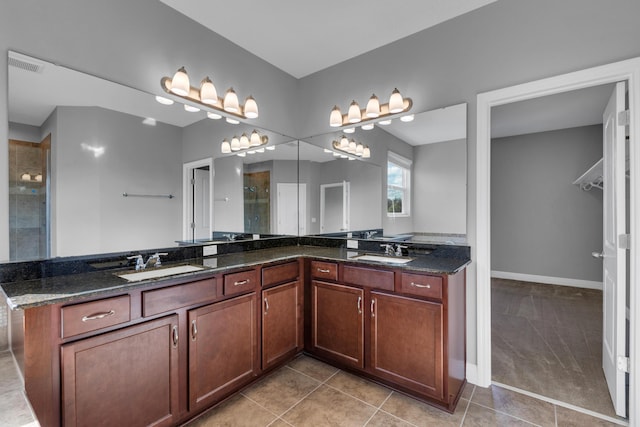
{"points": [[393, 249], [153, 260], [231, 236], [370, 234]]}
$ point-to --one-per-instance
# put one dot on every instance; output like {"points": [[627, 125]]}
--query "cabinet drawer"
{"points": [[280, 273], [368, 277], [324, 270], [90, 316], [238, 283], [171, 298], [422, 285]]}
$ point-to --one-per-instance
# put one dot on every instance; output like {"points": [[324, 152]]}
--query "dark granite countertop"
{"points": [[23, 294]]}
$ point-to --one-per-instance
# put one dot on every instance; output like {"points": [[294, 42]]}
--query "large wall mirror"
{"points": [[79, 144], [349, 195]]}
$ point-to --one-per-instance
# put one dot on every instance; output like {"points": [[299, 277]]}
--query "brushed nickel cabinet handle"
{"points": [[418, 285], [175, 336], [359, 305], [98, 316], [373, 307], [241, 282], [194, 330], [322, 270], [266, 306]]}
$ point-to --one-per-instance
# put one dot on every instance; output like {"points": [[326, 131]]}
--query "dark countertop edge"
{"points": [[312, 252]]}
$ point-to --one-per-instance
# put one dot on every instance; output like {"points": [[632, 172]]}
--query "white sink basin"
{"points": [[382, 258], [155, 273]]}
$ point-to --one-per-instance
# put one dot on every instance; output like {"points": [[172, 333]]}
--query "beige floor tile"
{"points": [[570, 418], [329, 407], [467, 392], [312, 367], [383, 419], [479, 416], [421, 414], [359, 388], [279, 423], [236, 412], [281, 389], [14, 410]]}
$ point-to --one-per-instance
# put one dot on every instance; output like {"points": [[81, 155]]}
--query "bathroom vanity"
{"points": [[100, 350]]}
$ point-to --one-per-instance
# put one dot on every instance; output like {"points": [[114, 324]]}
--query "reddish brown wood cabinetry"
{"points": [[127, 377], [223, 349], [338, 323], [402, 328], [281, 323], [406, 342]]}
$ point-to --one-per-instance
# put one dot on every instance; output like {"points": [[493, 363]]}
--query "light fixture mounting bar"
{"points": [[194, 96]]}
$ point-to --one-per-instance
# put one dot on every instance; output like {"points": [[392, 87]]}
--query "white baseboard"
{"points": [[561, 281], [472, 373]]}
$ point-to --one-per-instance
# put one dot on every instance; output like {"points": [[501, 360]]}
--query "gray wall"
{"points": [[440, 187], [504, 43], [91, 215], [542, 224]]}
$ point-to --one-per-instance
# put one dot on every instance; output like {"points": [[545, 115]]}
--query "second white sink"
{"points": [[159, 272], [382, 258]]}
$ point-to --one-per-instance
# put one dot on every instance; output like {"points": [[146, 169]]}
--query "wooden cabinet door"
{"points": [[407, 342], [338, 323], [127, 377], [281, 322], [223, 349]]}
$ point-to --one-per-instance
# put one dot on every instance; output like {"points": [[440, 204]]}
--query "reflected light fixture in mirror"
{"points": [[374, 111], [350, 146], [207, 96], [244, 142]]}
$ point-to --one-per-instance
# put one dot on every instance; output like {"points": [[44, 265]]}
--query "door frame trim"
{"points": [[628, 70], [187, 199]]}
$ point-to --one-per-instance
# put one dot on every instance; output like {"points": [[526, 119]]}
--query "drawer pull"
{"points": [[417, 285], [266, 306], [323, 270], [174, 336], [373, 307], [194, 330], [241, 282], [98, 316], [359, 305]]}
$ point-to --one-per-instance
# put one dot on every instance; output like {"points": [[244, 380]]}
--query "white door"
{"points": [[614, 257], [201, 204], [287, 208], [334, 207]]}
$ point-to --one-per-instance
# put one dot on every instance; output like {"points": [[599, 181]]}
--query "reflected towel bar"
{"points": [[162, 196]]}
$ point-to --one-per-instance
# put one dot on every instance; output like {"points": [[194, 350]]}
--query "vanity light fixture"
{"points": [[255, 142], [349, 146], [207, 96], [373, 112]]}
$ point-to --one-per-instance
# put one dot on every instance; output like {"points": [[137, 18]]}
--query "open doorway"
{"points": [[198, 200], [335, 207], [547, 292], [617, 72]]}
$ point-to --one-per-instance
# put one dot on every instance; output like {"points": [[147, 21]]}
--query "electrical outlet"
{"points": [[352, 244]]}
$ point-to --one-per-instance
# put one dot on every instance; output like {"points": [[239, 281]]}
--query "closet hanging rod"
{"points": [[155, 196]]}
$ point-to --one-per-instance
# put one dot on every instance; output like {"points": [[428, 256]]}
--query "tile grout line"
{"points": [[504, 413], [466, 410]]}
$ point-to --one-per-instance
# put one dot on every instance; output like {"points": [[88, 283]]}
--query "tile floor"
{"points": [[547, 340], [307, 392]]}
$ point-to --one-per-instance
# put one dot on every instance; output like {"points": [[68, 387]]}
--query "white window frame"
{"points": [[405, 164]]}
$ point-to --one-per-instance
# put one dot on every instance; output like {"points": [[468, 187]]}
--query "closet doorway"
{"points": [[607, 74]]}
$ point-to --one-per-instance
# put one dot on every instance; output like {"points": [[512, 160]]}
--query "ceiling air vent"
{"points": [[25, 63]]}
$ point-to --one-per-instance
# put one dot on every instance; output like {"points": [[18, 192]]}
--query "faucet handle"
{"points": [[139, 262], [156, 258]]}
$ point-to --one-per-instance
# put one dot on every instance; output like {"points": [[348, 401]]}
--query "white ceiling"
{"points": [[301, 37]]}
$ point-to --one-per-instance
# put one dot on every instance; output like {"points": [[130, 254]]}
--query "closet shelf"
{"points": [[592, 177]]}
